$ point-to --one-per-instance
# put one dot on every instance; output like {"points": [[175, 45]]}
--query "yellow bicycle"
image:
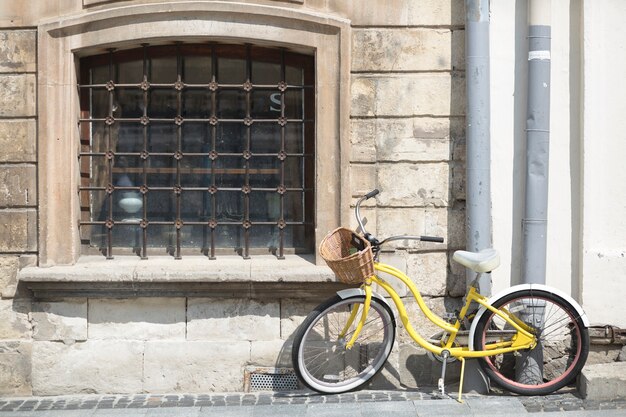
{"points": [[530, 339]]}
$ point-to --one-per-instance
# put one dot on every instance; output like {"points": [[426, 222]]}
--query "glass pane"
{"points": [[99, 203], [127, 171], [229, 236], [230, 138], [264, 236], [162, 171], [126, 235], [265, 104], [229, 206], [231, 104], [195, 171], [129, 103], [293, 172], [294, 75], [99, 171], [99, 75], [161, 206], [229, 172], [99, 103], [264, 206], [265, 172], [294, 207], [196, 138], [163, 103], [294, 139], [162, 137], [293, 104], [197, 69], [130, 72], [196, 104], [163, 70], [265, 73], [161, 236], [129, 137], [265, 138], [231, 71], [195, 206]]}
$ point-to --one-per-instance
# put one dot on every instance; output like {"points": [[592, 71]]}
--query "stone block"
{"points": [[413, 221], [402, 12], [196, 366], [401, 49], [414, 184], [429, 272], [18, 185], [18, 51], [362, 179], [92, 367], [137, 318], [363, 140], [389, 377], [458, 50], [18, 141], [427, 94], [292, 314], [457, 183], [14, 322], [605, 381], [232, 319], [9, 266], [18, 228], [15, 368], [17, 95], [60, 320], [271, 353]]}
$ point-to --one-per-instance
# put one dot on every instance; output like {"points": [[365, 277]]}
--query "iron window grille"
{"points": [[204, 146]]}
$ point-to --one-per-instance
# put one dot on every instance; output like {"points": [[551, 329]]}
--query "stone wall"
{"points": [[407, 138], [18, 203]]}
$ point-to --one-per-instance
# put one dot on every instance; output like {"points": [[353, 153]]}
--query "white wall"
{"points": [[587, 201], [604, 152]]}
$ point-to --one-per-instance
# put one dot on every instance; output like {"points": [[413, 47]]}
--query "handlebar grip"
{"points": [[431, 239], [372, 194]]}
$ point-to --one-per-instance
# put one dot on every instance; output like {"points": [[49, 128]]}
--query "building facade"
{"points": [[170, 167]]}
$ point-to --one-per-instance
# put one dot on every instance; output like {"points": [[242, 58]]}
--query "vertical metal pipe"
{"points": [[478, 200], [529, 367], [478, 203], [535, 221]]}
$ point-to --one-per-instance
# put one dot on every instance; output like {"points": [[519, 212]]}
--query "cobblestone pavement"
{"points": [[556, 402]]}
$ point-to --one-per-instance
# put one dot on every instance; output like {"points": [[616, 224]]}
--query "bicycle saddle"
{"points": [[484, 261]]}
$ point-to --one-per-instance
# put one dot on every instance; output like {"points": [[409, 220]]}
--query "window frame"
{"points": [[64, 40], [251, 55]]}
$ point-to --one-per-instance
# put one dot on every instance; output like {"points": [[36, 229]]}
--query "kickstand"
{"points": [[460, 399], [440, 384]]}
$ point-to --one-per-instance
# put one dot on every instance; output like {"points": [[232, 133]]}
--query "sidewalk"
{"points": [[420, 403]]}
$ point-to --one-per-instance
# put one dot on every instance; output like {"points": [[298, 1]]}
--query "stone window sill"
{"points": [[260, 277]]}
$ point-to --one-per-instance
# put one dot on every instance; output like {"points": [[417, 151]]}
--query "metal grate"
{"points": [[271, 379], [206, 165]]}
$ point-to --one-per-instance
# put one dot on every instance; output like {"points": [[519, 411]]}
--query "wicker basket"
{"points": [[349, 255]]}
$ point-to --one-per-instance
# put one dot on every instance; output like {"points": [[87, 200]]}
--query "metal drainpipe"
{"points": [[535, 220], [478, 160], [535, 223]]}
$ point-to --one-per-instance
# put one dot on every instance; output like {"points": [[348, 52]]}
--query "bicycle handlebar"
{"points": [[372, 239]]}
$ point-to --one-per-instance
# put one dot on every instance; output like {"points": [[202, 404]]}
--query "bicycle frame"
{"points": [[523, 340]]}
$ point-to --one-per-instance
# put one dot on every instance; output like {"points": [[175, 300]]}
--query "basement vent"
{"points": [[270, 379]]}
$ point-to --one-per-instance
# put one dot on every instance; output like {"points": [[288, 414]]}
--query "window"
{"points": [[201, 148]]}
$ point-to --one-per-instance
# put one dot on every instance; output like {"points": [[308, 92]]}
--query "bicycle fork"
{"points": [[353, 313]]}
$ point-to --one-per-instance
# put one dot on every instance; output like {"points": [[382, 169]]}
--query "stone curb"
{"points": [[424, 399]]}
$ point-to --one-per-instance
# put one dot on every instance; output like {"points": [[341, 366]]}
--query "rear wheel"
{"points": [[561, 351], [320, 357]]}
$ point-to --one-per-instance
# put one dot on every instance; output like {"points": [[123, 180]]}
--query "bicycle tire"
{"points": [[319, 357], [557, 359]]}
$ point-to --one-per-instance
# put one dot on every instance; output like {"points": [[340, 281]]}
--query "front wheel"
{"points": [[561, 350], [320, 357]]}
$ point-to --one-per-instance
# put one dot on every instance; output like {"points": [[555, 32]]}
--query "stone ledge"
{"points": [[124, 277]]}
